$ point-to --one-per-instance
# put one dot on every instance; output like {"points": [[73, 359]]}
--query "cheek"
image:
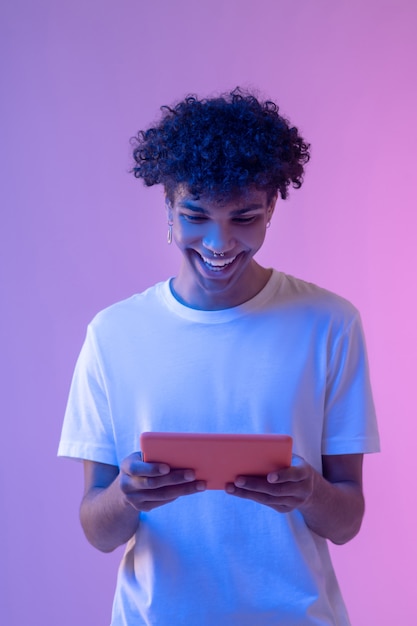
{"points": [[256, 236], [184, 232]]}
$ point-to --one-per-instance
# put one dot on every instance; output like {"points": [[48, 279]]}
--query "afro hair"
{"points": [[220, 146]]}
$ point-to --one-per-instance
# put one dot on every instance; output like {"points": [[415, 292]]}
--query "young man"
{"points": [[225, 346]]}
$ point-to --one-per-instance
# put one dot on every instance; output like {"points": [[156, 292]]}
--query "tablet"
{"points": [[218, 458]]}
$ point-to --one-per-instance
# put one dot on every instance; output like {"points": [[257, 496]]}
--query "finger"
{"points": [[292, 474], [174, 477], [147, 500], [135, 466], [253, 483], [173, 491], [131, 484], [277, 489], [145, 507], [282, 504]]}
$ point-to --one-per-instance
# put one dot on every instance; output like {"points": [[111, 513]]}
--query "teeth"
{"points": [[218, 263]]}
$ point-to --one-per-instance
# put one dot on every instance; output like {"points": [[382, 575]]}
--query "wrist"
{"points": [[310, 500]]}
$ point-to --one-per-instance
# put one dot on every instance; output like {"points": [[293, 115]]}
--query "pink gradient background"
{"points": [[79, 233]]}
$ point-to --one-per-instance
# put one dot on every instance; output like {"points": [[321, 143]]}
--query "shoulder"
{"points": [[130, 310], [123, 322], [314, 300]]}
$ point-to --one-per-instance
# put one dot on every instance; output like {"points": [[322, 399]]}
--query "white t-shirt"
{"points": [[291, 360]]}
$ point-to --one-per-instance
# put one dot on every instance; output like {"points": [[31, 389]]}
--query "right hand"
{"points": [[149, 485]]}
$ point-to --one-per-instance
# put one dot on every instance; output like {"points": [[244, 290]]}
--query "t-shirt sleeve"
{"points": [[87, 431], [349, 421]]}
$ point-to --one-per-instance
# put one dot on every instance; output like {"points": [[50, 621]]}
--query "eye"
{"points": [[245, 220], [194, 219]]}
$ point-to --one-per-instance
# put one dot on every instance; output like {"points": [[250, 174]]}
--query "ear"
{"points": [[168, 207], [271, 207]]}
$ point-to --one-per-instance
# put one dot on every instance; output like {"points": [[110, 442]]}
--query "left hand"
{"points": [[284, 490]]}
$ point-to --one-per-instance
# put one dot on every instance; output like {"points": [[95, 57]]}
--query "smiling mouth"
{"points": [[217, 265]]}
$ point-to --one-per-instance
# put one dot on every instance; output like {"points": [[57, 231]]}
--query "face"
{"points": [[218, 240]]}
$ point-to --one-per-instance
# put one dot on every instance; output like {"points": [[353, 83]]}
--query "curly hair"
{"points": [[220, 146]]}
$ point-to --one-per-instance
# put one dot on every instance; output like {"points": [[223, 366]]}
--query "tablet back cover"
{"points": [[218, 458]]}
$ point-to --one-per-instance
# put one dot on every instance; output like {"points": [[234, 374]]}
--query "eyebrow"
{"points": [[197, 209], [185, 204], [248, 209]]}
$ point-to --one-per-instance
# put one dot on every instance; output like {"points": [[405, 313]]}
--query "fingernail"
{"points": [[239, 482], [200, 486], [273, 478], [164, 469], [230, 488], [189, 475]]}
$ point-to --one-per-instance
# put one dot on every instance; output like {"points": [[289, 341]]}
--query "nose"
{"points": [[218, 238]]}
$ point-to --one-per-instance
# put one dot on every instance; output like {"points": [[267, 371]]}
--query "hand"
{"points": [[149, 485], [283, 490]]}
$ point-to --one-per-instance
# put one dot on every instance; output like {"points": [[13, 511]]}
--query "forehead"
{"points": [[243, 199]]}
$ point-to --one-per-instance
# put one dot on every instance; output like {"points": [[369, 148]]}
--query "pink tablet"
{"points": [[218, 458]]}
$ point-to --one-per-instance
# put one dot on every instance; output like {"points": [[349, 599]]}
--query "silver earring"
{"points": [[268, 224], [169, 233]]}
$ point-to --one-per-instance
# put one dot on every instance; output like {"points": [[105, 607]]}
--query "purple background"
{"points": [[78, 233]]}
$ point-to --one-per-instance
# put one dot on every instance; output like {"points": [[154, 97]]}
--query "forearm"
{"points": [[334, 510], [108, 520]]}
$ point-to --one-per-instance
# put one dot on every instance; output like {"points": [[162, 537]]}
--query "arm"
{"points": [[113, 499], [336, 506], [332, 504]]}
